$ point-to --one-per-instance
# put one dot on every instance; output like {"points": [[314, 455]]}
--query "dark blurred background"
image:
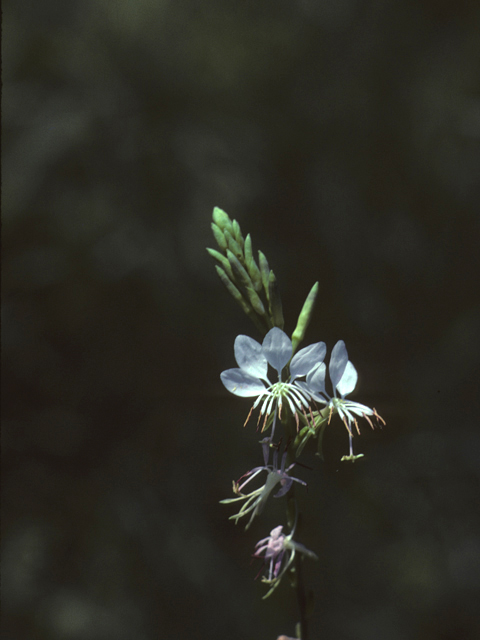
{"points": [[344, 135]]}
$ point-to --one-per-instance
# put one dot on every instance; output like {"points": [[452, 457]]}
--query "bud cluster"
{"points": [[254, 286]]}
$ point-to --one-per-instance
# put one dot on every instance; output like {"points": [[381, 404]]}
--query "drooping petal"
{"points": [[316, 379], [276, 532], [261, 545], [250, 357], [286, 484], [338, 362], [241, 383], [278, 564], [277, 348], [306, 359], [348, 380]]}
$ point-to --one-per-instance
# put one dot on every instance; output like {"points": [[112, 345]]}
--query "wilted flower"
{"points": [[275, 549], [256, 500], [343, 376], [251, 380]]}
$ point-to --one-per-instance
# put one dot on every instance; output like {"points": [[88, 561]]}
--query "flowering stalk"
{"points": [[297, 398]]}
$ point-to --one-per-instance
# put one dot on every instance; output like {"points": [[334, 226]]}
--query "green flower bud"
{"points": [[251, 265], [233, 245], [237, 233], [275, 301], [244, 278], [219, 237], [304, 317], [223, 261], [264, 272], [235, 293], [222, 220]]}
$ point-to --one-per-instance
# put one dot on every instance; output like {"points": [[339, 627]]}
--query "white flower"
{"points": [[275, 549], [250, 379], [256, 500], [343, 376]]}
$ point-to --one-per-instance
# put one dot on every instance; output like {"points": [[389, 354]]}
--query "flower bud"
{"points": [[304, 317]]}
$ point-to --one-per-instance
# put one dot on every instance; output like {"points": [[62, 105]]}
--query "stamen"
{"points": [[306, 418], [257, 401], [269, 397], [368, 420], [264, 423], [248, 417], [356, 424], [270, 405], [298, 395], [291, 404]]}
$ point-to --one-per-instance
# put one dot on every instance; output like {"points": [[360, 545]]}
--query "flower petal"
{"points": [[316, 379], [286, 484], [338, 362], [241, 383], [276, 532], [250, 358], [348, 380], [277, 347], [359, 409], [307, 358]]}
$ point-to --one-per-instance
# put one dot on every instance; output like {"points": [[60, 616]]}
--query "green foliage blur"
{"points": [[344, 137]]}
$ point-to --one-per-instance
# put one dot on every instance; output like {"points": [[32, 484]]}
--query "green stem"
{"points": [[301, 597]]}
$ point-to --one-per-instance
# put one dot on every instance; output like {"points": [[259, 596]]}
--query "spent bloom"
{"points": [[251, 380], [343, 376], [278, 554], [256, 500]]}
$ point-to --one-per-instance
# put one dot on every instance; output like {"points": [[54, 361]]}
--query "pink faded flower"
{"points": [[278, 552]]}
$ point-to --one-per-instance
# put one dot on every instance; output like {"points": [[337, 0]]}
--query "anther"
{"points": [[248, 417]]}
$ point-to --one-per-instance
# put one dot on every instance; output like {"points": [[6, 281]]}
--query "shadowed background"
{"points": [[344, 135]]}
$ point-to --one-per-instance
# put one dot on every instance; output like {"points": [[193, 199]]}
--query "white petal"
{"points": [[306, 359], [277, 347], [241, 383], [348, 380], [359, 409], [316, 379], [250, 358], [338, 362]]}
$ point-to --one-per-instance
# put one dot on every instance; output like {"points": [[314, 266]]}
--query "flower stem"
{"points": [[301, 598], [302, 632]]}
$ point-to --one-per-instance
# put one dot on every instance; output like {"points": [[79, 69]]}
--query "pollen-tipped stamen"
{"points": [[248, 417]]}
